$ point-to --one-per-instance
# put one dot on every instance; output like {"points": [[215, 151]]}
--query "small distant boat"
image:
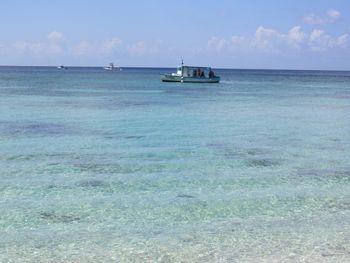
{"points": [[62, 67], [112, 67], [191, 74]]}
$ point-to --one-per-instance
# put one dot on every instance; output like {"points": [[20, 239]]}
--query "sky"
{"points": [[256, 34]]}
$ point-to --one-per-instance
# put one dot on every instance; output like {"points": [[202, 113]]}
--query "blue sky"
{"points": [[313, 34]]}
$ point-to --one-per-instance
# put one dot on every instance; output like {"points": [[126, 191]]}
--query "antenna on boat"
{"points": [[182, 68]]}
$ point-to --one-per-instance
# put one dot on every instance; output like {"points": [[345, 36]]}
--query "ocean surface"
{"points": [[100, 166]]}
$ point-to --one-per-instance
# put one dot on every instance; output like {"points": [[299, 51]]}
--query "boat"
{"points": [[192, 74], [112, 67], [62, 67]]}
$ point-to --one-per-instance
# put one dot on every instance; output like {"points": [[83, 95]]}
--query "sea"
{"points": [[117, 166]]}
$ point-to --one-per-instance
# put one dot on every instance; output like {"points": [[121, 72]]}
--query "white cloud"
{"points": [[109, 46], [239, 40], [105, 47], [343, 41], [333, 14], [296, 35], [331, 17], [316, 34], [263, 33], [21, 46], [313, 20], [269, 40], [263, 41], [239, 43], [56, 37], [29, 47], [320, 41], [216, 43], [54, 45]]}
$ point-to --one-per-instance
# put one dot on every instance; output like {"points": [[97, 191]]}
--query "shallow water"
{"points": [[100, 166]]}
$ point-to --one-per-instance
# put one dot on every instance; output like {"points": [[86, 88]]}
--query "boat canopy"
{"points": [[192, 74], [194, 71]]}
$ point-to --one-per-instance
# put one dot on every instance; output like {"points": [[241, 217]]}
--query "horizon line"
{"points": [[158, 67]]}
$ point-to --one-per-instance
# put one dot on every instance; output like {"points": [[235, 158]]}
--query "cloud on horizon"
{"points": [[104, 47], [57, 44], [269, 40]]}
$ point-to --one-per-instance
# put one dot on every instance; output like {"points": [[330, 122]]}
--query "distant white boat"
{"points": [[62, 67], [112, 67]]}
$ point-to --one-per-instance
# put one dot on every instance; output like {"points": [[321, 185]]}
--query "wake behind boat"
{"points": [[191, 74]]}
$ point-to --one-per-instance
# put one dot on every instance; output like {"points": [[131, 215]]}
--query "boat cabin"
{"points": [[194, 72], [191, 74]]}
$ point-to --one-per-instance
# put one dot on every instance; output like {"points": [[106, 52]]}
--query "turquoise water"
{"points": [[102, 166]]}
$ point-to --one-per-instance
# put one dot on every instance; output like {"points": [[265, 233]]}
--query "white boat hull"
{"points": [[176, 78]]}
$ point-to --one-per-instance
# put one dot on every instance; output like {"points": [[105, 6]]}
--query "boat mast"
{"points": [[182, 68]]}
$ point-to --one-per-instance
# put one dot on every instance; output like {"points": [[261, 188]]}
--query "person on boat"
{"points": [[202, 74], [211, 74]]}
